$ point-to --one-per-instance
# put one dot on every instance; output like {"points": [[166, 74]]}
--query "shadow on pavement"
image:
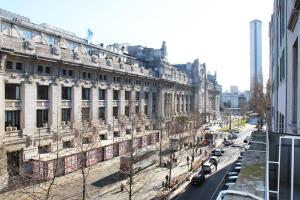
{"points": [[110, 179]]}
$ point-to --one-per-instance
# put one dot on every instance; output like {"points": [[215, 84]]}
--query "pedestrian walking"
{"points": [[167, 178], [202, 164]]}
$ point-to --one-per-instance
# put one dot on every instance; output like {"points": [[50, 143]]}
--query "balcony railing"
{"points": [[12, 104], [85, 103], [42, 103], [66, 103], [102, 102]]}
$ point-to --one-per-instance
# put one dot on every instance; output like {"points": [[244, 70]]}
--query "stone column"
{"points": [[121, 102], [55, 106], [3, 159], [109, 106], [150, 94], [142, 102], [76, 103], [28, 113], [94, 103], [161, 104]]}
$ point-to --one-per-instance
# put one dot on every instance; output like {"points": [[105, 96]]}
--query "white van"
{"points": [[208, 167]]}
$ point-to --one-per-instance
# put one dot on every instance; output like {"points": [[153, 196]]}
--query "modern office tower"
{"points": [[256, 77]]}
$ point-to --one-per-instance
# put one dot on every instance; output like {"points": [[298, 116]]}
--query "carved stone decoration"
{"points": [[78, 83], [27, 45], [121, 65], [76, 55], [57, 81], [109, 62], [2, 61], [55, 50], [132, 67], [30, 79], [94, 59]]}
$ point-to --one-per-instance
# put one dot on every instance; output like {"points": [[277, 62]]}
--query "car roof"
{"points": [[232, 177], [215, 157], [229, 184]]}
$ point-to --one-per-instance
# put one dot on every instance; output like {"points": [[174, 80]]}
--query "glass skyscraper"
{"points": [[256, 77]]}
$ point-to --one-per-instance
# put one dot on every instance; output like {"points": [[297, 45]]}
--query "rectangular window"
{"points": [[42, 92], [282, 66], [66, 93], [52, 40], [26, 34], [127, 95], [40, 69], [41, 118], [100, 77], [115, 95], [70, 73], [85, 114], [102, 113], [66, 114], [85, 93], [47, 70], [44, 149], [19, 66], [12, 91], [67, 144], [115, 112], [64, 72], [137, 109], [295, 83], [102, 94], [9, 65], [104, 77], [89, 75], [137, 96], [83, 74], [146, 95], [127, 111], [116, 134], [12, 119], [146, 110]]}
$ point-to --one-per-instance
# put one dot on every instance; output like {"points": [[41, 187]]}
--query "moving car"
{"points": [[208, 167], [198, 178], [227, 143], [214, 160], [217, 152]]}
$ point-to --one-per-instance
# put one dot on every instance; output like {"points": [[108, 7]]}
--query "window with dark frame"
{"points": [[127, 95], [102, 94], [85, 114], [85, 93], [137, 95], [12, 91], [67, 144], [66, 93], [12, 119], [44, 149], [115, 112], [9, 65], [102, 113], [41, 118], [127, 111], [137, 109], [115, 95], [66, 114], [64, 72], [40, 69], [146, 110], [19, 66], [146, 95], [47, 70], [42, 92]]}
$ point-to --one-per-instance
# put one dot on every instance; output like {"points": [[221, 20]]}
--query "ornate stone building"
{"points": [[55, 87]]}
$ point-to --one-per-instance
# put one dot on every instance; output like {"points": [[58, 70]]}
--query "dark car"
{"points": [[198, 178], [237, 169], [227, 143], [231, 179]]}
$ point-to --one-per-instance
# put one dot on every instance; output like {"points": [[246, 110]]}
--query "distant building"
{"points": [[234, 89], [53, 84], [256, 77]]}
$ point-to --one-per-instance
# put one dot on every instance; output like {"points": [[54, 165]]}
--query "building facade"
{"points": [[283, 122], [256, 78], [57, 92]]}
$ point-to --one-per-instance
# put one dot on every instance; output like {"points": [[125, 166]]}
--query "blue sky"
{"points": [[215, 31]]}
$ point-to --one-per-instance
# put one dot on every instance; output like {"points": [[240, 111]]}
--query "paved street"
{"points": [[211, 186]]}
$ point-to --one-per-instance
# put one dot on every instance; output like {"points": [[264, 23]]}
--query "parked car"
{"points": [[237, 169], [242, 153], [236, 145], [231, 179], [198, 178], [214, 160], [238, 164], [226, 186], [231, 174], [247, 139], [208, 167]]}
